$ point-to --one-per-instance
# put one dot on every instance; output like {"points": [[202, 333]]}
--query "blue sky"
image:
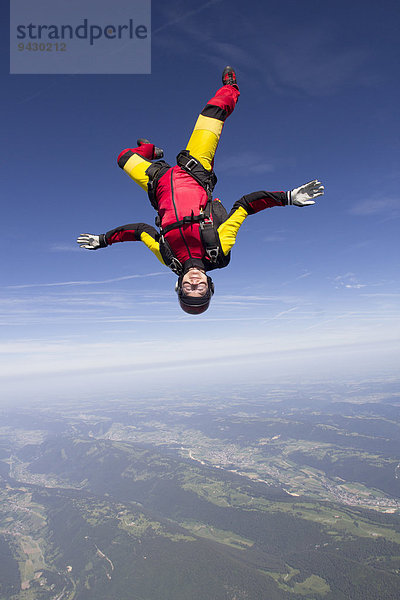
{"points": [[309, 293]]}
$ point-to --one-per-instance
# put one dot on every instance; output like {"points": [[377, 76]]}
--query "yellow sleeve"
{"points": [[228, 230], [152, 245]]}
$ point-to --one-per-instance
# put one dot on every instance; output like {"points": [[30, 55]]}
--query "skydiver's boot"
{"points": [[157, 153], [229, 77]]}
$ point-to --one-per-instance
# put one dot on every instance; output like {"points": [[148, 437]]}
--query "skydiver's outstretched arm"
{"points": [[134, 232], [257, 201]]}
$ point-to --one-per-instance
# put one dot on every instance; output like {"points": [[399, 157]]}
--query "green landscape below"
{"points": [[274, 496]]}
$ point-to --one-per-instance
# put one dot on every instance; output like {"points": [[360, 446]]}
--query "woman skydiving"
{"points": [[195, 234]]}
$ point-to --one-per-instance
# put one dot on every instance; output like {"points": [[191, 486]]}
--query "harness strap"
{"points": [[184, 221], [154, 172], [211, 241], [207, 179], [208, 233], [169, 258]]}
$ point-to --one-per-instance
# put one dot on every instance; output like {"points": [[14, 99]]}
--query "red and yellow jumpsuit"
{"points": [[178, 194]]}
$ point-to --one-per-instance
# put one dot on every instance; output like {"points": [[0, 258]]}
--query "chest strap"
{"points": [[187, 220]]}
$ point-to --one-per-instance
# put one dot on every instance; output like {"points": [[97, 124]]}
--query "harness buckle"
{"points": [[176, 266], [192, 162], [212, 254], [204, 220]]}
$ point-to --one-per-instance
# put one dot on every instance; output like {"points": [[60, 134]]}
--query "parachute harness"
{"points": [[208, 231]]}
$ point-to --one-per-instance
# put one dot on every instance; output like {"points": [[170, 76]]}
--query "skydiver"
{"points": [[196, 234]]}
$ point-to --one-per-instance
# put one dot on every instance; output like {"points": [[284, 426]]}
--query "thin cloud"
{"points": [[383, 295], [274, 238], [281, 314], [227, 298], [38, 93], [303, 275], [310, 65], [310, 62], [348, 281], [87, 282], [30, 357], [330, 320], [185, 16], [64, 248], [388, 207], [250, 162]]}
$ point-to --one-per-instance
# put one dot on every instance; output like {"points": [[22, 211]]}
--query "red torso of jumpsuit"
{"points": [[178, 194]]}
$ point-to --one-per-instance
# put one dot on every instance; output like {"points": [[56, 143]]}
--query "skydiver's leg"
{"points": [[135, 161], [207, 131]]}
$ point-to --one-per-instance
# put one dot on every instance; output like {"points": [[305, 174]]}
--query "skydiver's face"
{"points": [[194, 283]]}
